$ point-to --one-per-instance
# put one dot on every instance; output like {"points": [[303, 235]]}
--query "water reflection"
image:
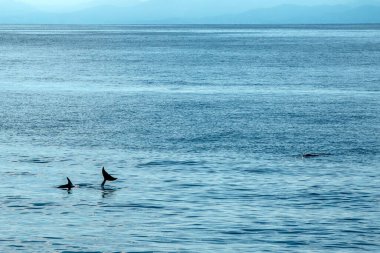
{"points": [[107, 192]]}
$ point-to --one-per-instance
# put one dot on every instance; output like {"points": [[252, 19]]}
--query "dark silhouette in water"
{"points": [[107, 177], [311, 155], [68, 186]]}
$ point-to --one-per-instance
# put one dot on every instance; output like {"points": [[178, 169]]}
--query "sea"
{"points": [[224, 138]]}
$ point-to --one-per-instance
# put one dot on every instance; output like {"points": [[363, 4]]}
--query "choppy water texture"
{"points": [[204, 126]]}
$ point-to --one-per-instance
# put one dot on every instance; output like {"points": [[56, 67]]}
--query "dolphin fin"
{"points": [[107, 177], [69, 183]]}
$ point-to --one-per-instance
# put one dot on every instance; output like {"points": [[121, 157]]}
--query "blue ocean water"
{"points": [[205, 127]]}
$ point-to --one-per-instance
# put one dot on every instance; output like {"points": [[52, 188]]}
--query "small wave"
{"points": [[81, 252], [35, 160], [84, 205], [137, 206], [28, 206], [33, 241], [52, 238], [168, 163], [16, 246], [34, 208], [233, 232], [16, 197], [21, 173], [6, 240], [262, 170], [44, 204], [17, 206], [190, 185]]}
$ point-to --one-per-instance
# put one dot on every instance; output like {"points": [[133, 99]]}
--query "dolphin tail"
{"points": [[107, 177]]}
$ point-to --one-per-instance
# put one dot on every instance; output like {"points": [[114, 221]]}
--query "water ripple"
{"points": [[169, 163]]}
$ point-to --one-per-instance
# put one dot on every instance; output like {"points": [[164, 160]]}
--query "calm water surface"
{"points": [[204, 126]]}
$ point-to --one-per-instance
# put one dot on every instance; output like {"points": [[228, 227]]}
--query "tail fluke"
{"points": [[107, 177]]}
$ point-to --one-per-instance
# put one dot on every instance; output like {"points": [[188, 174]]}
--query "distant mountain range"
{"points": [[192, 12]]}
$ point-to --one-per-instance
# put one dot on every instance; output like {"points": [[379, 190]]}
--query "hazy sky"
{"points": [[54, 2], [75, 4], [258, 3], [66, 3], [145, 11]]}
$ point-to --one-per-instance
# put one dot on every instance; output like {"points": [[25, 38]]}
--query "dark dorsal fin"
{"points": [[69, 183], [107, 176], [68, 186]]}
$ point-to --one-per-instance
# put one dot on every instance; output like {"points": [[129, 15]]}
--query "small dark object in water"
{"points": [[311, 155], [107, 177], [68, 186]]}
